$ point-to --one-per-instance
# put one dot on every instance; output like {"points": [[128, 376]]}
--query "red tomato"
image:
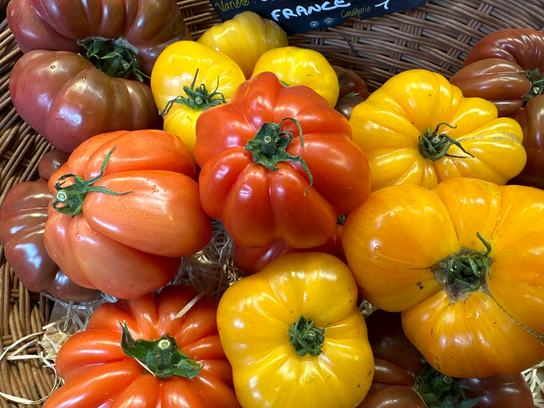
{"points": [[253, 260], [145, 27], [258, 183], [66, 99], [403, 380], [127, 245], [22, 219], [106, 366], [353, 90]]}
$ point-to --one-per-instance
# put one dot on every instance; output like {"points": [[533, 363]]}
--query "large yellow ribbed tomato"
{"points": [[187, 79], [419, 129], [294, 335], [464, 262], [301, 66], [245, 38]]}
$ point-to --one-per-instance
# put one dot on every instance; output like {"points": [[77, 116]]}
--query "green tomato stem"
{"points": [[161, 357], [69, 199], [269, 144], [306, 338], [433, 145]]}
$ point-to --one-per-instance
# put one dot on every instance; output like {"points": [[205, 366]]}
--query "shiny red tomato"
{"points": [[83, 75], [404, 380], [136, 353], [139, 212], [531, 119], [353, 90], [281, 165], [253, 260], [22, 219]]}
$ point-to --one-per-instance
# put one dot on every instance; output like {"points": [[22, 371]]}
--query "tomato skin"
{"points": [[531, 119], [98, 373], [478, 333], [499, 81], [51, 162], [301, 66], [22, 219], [524, 46], [254, 316], [67, 100], [258, 205], [128, 245], [399, 363], [253, 260], [416, 105], [353, 90], [148, 26]]}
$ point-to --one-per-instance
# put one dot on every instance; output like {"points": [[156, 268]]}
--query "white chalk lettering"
{"points": [[287, 13]]}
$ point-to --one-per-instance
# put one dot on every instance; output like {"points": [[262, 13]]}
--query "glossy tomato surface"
{"points": [[128, 244], [262, 197], [98, 373]]}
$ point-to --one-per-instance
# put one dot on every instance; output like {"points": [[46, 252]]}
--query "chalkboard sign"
{"points": [[307, 15]]}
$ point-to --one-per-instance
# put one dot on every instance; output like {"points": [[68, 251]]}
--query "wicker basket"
{"points": [[436, 36]]}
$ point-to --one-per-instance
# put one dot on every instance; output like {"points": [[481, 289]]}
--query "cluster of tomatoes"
{"points": [[409, 196]]}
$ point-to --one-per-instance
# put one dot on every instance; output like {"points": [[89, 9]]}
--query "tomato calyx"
{"points": [[160, 357], [69, 199], [536, 79], [306, 338], [433, 145], [441, 391], [269, 144], [464, 271], [117, 58], [199, 99]]}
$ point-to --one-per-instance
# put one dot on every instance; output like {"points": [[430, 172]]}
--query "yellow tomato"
{"points": [[262, 320], [187, 79], [301, 66], [419, 129], [245, 38], [464, 263]]}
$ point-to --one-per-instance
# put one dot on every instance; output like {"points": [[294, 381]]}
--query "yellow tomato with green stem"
{"points": [[301, 66], [294, 335], [187, 79], [419, 129], [245, 38], [464, 263]]}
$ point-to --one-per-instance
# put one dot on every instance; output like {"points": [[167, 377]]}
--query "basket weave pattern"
{"points": [[435, 37]]}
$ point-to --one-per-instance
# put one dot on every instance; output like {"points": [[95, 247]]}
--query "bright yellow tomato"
{"points": [[245, 38], [187, 79], [301, 66], [464, 263], [419, 129], [264, 319]]}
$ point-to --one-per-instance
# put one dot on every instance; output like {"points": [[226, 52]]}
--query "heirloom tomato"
{"points": [[419, 129], [66, 99], [294, 335], [22, 219], [281, 165], [82, 75], [531, 119], [505, 67], [252, 260], [463, 262], [140, 28], [187, 79], [126, 210], [301, 66], [245, 38], [353, 90], [137, 353], [404, 380]]}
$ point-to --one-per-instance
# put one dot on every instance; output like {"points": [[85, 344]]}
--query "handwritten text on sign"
{"points": [[297, 16]]}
